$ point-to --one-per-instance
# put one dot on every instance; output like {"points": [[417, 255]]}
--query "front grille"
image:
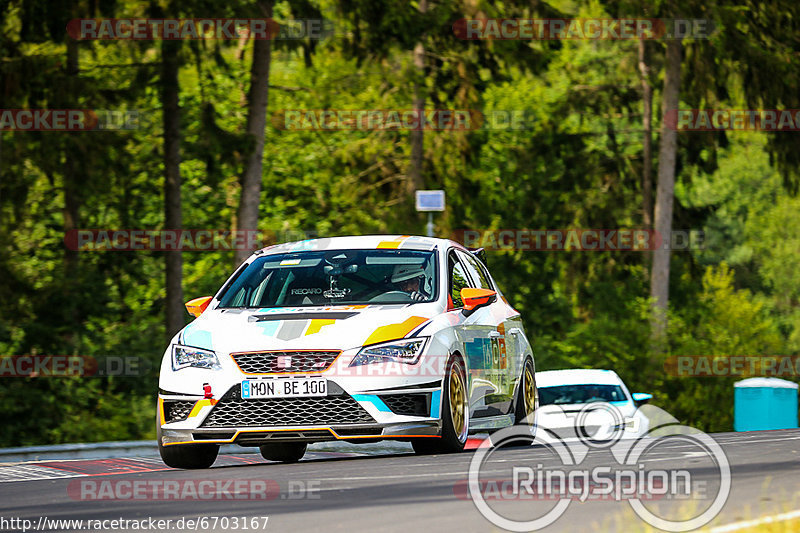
{"points": [[233, 411], [408, 404], [284, 361], [175, 410]]}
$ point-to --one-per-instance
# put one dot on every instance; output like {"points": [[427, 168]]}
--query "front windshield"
{"points": [[339, 277], [565, 394]]}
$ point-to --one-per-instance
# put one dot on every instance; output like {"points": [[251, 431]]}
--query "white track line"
{"points": [[736, 526], [33, 473]]}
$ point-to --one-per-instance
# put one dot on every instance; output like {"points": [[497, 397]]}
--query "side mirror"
{"points": [[641, 398], [474, 299], [198, 305]]}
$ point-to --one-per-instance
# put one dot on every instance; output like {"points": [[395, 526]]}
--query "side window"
{"points": [[475, 270], [458, 279]]}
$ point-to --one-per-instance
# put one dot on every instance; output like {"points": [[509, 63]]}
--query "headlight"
{"points": [[183, 356], [403, 351]]}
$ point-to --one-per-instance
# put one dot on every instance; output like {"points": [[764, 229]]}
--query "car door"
{"points": [[515, 347], [501, 362], [473, 335]]}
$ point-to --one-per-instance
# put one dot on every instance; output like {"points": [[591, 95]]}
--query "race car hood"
{"points": [[573, 415], [323, 328]]}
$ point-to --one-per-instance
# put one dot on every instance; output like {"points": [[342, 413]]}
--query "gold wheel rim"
{"points": [[530, 392], [457, 400]]}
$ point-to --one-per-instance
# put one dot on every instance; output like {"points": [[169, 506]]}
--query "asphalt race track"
{"points": [[384, 492]]}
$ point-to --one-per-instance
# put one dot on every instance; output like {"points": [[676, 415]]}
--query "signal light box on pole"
{"points": [[430, 201]]}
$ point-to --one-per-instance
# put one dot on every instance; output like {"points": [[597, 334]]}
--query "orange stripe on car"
{"points": [[395, 331]]}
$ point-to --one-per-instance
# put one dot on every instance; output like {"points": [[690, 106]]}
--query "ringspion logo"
{"points": [[502, 483]]}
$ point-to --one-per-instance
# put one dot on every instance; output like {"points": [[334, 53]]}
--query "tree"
{"points": [[417, 136], [258, 96], [647, 142], [172, 182], [665, 195]]}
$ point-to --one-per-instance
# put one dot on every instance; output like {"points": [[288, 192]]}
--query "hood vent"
{"points": [[329, 315]]}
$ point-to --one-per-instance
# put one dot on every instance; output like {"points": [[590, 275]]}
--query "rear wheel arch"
{"points": [[521, 410]]}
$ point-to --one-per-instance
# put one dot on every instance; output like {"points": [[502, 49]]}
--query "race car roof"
{"points": [[577, 376], [361, 242]]}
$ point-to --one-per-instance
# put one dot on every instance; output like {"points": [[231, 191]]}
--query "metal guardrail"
{"points": [[148, 448], [93, 450]]}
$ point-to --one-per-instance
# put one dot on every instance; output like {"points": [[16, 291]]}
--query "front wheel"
{"points": [[189, 456], [283, 452], [186, 456], [455, 413]]}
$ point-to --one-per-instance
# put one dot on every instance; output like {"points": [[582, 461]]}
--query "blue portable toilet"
{"points": [[764, 403]]}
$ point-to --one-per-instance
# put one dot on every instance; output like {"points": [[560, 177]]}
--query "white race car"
{"points": [[352, 338], [592, 405]]}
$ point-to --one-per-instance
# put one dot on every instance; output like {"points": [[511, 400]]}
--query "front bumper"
{"points": [[338, 416], [258, 436], [377, 401]]}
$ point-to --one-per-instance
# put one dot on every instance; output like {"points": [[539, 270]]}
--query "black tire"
{"points": [[454, 432], [426, 446], [525, 408], [189, 456], [186, 456], [283, 452]]}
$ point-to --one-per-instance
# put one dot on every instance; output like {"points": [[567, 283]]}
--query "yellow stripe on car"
{"points": [[199, 406], [391, 245], [317, 324], [395, 331]]}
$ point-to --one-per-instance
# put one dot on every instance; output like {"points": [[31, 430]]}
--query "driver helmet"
{"points": [[406, 272]]}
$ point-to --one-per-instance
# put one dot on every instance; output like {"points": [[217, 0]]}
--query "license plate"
{"points": [[284, 388]]}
